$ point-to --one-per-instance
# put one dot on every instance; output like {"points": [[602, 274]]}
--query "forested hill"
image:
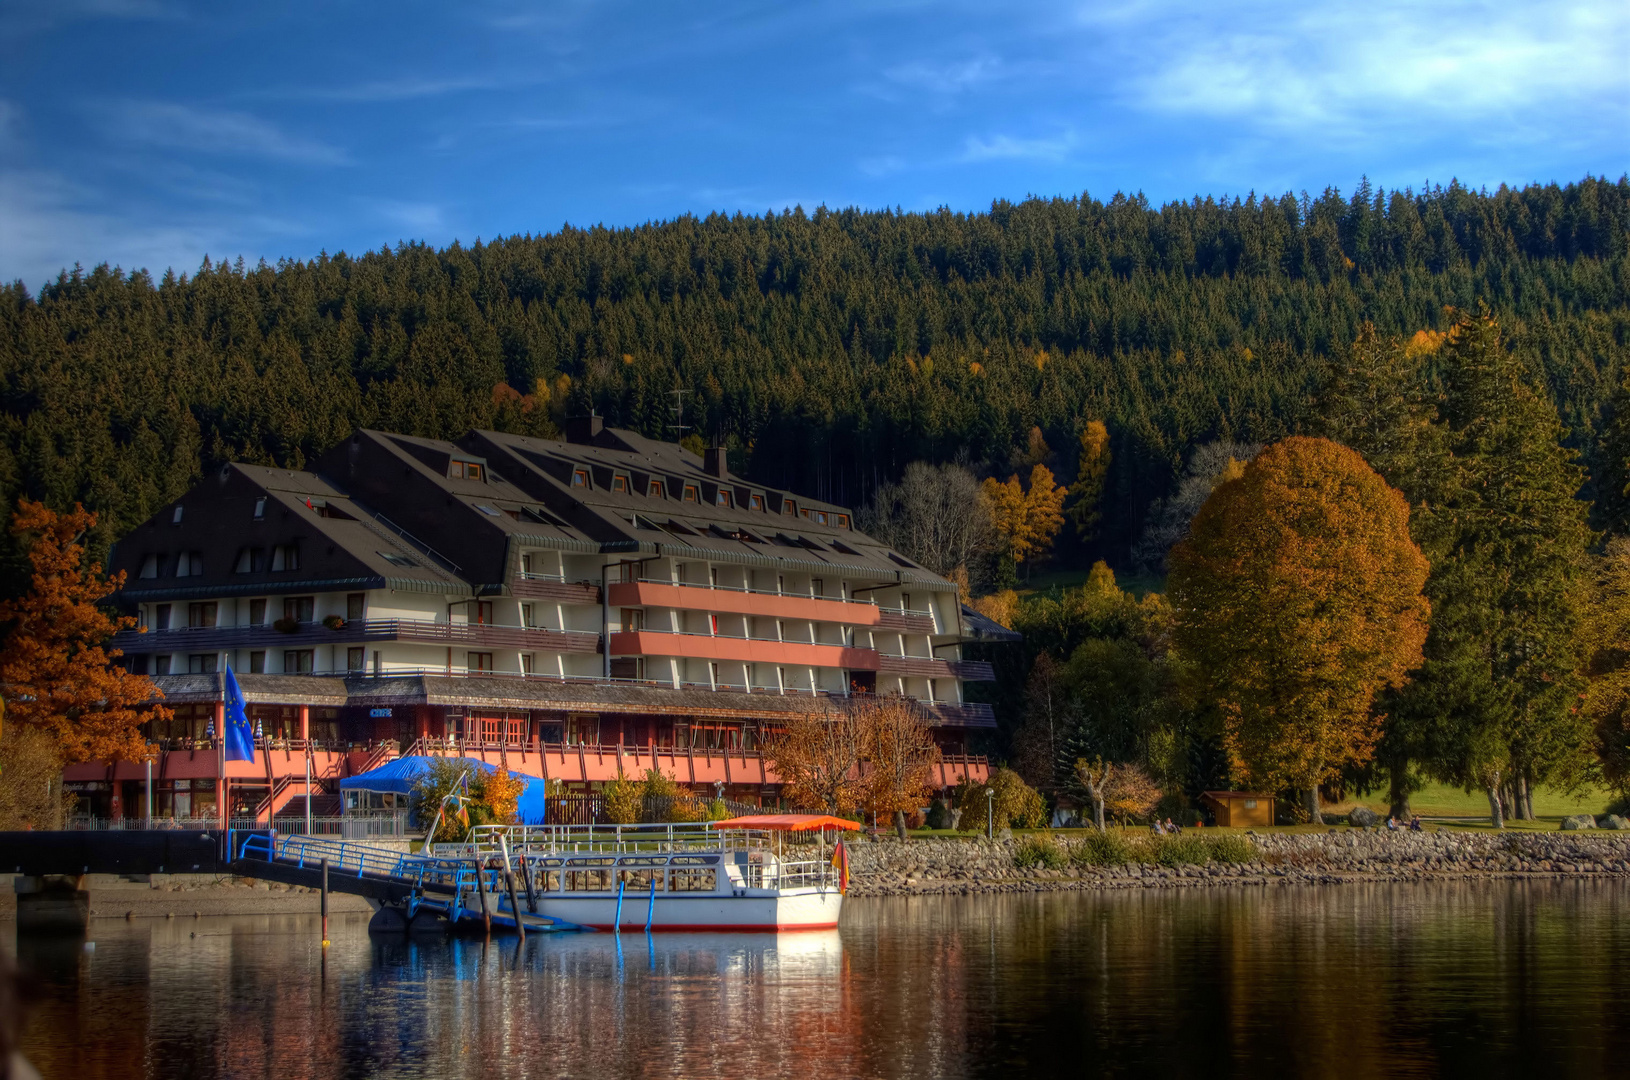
{"points": [[831, 348]]}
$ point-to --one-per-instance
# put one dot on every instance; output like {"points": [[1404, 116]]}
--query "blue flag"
{"points": [[240, 738]]}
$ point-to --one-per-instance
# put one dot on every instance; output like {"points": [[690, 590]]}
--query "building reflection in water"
{"points": [[1349, 981]]}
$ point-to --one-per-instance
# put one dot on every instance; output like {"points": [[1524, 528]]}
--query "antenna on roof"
{"points": [[678, 426]]}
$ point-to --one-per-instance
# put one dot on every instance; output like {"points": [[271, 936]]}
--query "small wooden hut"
{"points": [[1239, 809]]}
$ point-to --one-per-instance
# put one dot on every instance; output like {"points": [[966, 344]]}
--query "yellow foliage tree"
{"points": [[817, 759], [1027, 520], [1092, 467], [1298, 598], [900, 754]]}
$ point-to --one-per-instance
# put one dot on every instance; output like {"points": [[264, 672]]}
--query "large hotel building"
{"points": [[575, 610]]}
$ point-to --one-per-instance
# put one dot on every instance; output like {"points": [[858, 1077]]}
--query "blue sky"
{"points": [[147, 133]]}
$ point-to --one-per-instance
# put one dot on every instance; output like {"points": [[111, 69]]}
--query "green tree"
{"points": [[1497, 697]]}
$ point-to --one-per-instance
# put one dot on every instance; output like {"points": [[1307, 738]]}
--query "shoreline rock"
{"points": [[947, 867]]}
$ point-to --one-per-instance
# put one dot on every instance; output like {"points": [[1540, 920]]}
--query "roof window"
{"points": [[619, 484], [397, 560], [843, 521], [485, 509], [260, 509], [465, 470], [723, 498], [691, 494], [656, 490], [580, 478], [175, 518], [789, 507], [756, 501]]}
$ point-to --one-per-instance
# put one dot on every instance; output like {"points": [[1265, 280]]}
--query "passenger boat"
{"points": [[743, 874]]}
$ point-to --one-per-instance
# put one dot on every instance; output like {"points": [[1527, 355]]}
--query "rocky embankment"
{"points": [[946, 866]]}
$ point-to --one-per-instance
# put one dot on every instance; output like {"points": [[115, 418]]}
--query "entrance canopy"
{"points": [[402, 775], [788, 822]]}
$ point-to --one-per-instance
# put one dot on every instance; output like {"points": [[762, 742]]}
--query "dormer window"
{"points": [[150, 566], [756, 501], [260, 509], [843, 521], [465, 470], [722, 498], [691, 494], [619, 484], [656, 490], [580, 478], [789, 507]]}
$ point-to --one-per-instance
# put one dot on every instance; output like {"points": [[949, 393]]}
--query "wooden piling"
{"points": [[325, 903]]}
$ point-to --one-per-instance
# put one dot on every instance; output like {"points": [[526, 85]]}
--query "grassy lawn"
{"points": [[1442, 800]]}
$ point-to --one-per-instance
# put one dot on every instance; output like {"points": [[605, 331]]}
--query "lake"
{"points": [[1349, 981]]}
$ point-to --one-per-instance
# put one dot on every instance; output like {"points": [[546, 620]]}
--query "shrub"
{"points": [[717, 810], [334, 622], [620, 801], [1231, 848], [939, 815], [1016, 804], [286, 625], [1039, 850], [1180, 850], [1107, 848]]}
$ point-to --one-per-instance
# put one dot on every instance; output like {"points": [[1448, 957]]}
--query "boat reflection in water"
{"points": [[1362, 980]]}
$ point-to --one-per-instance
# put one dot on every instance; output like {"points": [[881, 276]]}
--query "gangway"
{"points": [[477, 888]]}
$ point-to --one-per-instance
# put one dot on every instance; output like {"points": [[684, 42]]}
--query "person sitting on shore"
{"points": [[1415, 823], [1156, 828], [1173, 827], [1392, 824]]}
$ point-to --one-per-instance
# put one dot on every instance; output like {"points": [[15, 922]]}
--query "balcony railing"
{"points": [[355, 631]]}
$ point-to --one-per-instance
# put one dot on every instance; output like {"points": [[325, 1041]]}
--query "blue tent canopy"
{"points": [[400, 776]]}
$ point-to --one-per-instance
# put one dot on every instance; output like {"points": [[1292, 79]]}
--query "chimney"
{"points": [[714, 463], [583, 429]]}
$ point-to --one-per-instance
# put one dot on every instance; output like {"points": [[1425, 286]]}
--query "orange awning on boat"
{"points": [[787, 822]]}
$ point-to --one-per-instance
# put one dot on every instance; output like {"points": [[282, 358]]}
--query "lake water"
{"points": [[1494, 979]]}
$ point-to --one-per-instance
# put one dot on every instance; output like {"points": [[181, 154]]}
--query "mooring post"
{"points": [[617, 923], [481, 894], [651, 905], [325, 903], [509, 881], [526, 875]]}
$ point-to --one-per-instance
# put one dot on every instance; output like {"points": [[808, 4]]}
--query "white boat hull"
{"points": [[752, 911]]}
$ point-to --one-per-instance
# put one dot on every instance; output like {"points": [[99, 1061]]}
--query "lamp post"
{"points": [[990, 813]]}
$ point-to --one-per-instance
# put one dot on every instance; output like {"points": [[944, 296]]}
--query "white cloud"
{"points": [[947, 78], [1000, 147], [213, 131], [417, 217]]}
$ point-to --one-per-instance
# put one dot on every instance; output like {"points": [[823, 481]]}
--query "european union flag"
{"points": [[240, 738]]}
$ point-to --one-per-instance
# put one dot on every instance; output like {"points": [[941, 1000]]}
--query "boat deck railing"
{"points": [[610, 839]]}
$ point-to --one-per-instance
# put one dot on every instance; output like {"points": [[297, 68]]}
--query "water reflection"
{"points": [[1354, 981]]}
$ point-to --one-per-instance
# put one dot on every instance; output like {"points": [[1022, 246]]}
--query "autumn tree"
{"points": [[899, 754], [818, 759], [1115, 789], [1298, 597], [1606, 640], [937, 514], [1026, 519], [1091, 468], [56, 673]]}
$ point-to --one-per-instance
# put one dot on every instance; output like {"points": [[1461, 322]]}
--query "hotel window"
{"points": [[354, 659], [843, 521], [478, 661], [722, 498], [298, 662], [202, 614], [633, 619], [257, 613], [817, 587], [300, 608], [285, 557], [526, 663], [756, 501], [201, 664], [257, 662], [189, 564], [820, 517], [481, 612], [161, 617], [580, 478], [465, 470], [528, 615], [251, 561], [789, 508], [355, 603], [691, 493], [151, 566], [655, 490], [161, 664], [619, 484], [260, 509]]}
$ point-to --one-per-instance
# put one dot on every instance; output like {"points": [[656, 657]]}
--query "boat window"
{"points": [[693, 879], [588, 880], [638, 881]]}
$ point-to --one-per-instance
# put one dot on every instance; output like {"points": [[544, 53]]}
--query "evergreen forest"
{"points": [[828, 350]]}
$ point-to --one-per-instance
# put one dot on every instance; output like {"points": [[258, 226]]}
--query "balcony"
{"points": [[205, 639], [741, 649], [554, 588], [775, 605], [902, 620]]}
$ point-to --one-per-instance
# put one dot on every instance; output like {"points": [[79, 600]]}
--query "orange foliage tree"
{"points": [[818, 761], [55, 673], [1027, 520], [900, 755], [1092, 467], [1298, 598]]}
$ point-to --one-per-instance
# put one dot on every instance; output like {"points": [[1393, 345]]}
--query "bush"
{"points": [[939, 815], [1016, 805], [334, 622], [717, 810], [1231, 848], [1181, 850], [1039, 850], [1107, 848], [620, 801]]}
